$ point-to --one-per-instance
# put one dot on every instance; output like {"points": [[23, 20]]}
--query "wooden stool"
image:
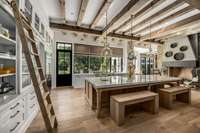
{"points": [[149, 99], [180, 93]]}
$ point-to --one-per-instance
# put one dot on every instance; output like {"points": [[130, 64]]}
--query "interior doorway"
{"points": [[64, 64]]}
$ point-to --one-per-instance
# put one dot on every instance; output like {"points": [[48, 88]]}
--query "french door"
{"points": [[64, 64]]}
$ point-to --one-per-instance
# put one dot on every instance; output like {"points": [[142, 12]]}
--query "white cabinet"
{"points": [[16, 116]]}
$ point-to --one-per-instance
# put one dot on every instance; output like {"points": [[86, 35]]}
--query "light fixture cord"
{"points": [[106, 29]]}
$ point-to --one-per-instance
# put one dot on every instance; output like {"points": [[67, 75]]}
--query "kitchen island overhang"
{"points": [[98, 92]]}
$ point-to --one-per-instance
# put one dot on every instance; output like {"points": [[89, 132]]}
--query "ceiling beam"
{"points": [[137, 7], [106, 4], [96, 32], [165, 20], [123, 36], [142, 13], [81, 14], [62, 8], [74, 28], [120, 14], [193, 3], [157, 15], [172, 28]]}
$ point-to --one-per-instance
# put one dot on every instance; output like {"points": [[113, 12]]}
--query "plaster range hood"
{"points": [[180, 52]]}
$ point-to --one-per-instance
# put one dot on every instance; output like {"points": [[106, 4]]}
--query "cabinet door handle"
{"points": [[12, 116], [13, 129], [32, 98], [32, 106], [14, 106]]}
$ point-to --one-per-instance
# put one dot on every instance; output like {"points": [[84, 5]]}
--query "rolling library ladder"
{"points": [[35, 67]]}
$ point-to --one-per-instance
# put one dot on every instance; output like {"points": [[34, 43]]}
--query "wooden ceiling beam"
{"points": [[174, 27], [165, 20], [81, 14], [141, 13], [123, 36], [74, 28], [106, 4], [157, 15], [193, 3], [120, 14], [62, 8], [137, 7], [96, 32]]}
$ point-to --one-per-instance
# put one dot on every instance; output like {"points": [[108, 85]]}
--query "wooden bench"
{"points": [[179, 93], [149, 101]]}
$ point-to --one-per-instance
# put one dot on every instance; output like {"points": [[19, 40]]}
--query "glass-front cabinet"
{"points": [[8, 66]]}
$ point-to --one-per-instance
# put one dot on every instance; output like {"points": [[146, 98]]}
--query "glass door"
{"points": [[64, 64]]}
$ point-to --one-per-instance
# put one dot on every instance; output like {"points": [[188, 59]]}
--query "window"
{"points": [[87, 59], [28, 10], [95, 63], [37, 23], [116, 64], [64, 62], [64, 46], [81, 63]]}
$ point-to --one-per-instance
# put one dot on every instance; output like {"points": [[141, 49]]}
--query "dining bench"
{"points": [[168, 95], [149, 101]]}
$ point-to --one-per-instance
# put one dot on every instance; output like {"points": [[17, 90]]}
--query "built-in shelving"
{"points": [[7, 75], [6, 41], [8, 57]]}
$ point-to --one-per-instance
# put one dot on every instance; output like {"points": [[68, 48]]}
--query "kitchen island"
{"points": [[98, 90]]}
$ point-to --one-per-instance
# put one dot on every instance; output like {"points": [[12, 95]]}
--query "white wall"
{"points": [[70, 37], [181, 41]]}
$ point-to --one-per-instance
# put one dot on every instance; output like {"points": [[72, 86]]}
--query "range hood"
{"points": [[181, 52]]}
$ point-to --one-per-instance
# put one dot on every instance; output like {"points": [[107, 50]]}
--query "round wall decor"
{"points": [[179, 56], [169, 54], [183, 48], [174, 45]]}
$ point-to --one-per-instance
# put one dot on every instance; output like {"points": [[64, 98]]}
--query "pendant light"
{"points": [[131, 54], [106, 54]]}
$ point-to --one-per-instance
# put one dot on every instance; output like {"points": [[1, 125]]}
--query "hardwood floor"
{"points": [[75, 116]]}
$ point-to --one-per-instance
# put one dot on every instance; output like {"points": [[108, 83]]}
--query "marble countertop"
{"points": [[119, 81]]}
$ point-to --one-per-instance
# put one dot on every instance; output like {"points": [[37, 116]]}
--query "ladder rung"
{"points": [[35, 54], [27, 26], [45, 94], [42, 82], [30, 39], [39, 68]]}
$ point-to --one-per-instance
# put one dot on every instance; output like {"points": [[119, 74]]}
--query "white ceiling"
{"points": [[91, 11], [72, 8], [113, 10]]}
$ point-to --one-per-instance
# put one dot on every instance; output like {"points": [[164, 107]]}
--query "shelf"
{"points": [[6, 41], [7, 57], [6, 75]]}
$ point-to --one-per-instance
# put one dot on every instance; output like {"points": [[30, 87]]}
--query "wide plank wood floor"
{"points": [[74, 116]]}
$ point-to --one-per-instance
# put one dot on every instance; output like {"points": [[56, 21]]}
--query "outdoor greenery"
{"points": [[96, 64]]}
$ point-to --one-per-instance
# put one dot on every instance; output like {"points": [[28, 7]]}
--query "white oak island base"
{"points": [[98, 92]]}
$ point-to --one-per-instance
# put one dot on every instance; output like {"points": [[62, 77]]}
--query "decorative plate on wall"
{"points": [[169, 54], [183, 48], [174, 45], [179, 56]]}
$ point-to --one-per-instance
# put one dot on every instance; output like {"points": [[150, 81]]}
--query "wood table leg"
{"points": [[98, 103]]}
